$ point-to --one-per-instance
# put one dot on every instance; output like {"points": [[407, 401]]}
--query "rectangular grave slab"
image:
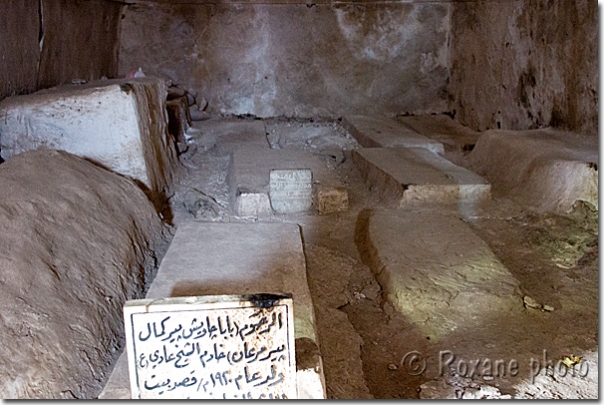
{"points": [[234, 259], [458, 140], [212, 347], [250, 174], [437, 272], [442, 128], [227, 133], [120, 124], [402, 176], [384, 132], [290, 190], [321, 136]]}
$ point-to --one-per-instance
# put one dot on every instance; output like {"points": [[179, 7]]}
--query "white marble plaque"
{"points": [[291, 190], [222, 347]]}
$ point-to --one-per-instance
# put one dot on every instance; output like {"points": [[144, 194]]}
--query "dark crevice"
{"points": [[41, 24], [40, 41]]}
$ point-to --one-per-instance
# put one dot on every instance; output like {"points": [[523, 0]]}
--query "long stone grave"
{"points": [[228, 133], [384, 132], [120, 124], [436, 271], [404, 176], [238, 259], [266, 181]]}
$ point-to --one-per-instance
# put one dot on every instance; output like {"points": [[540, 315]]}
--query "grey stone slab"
{"points": [[272, 61], [253, 204], [211, 347], [290, 190], [376, 131], [228, 133], [319, 137], [232, 259], [250, 174], [436, 271], [441, 128], [408, 175]]}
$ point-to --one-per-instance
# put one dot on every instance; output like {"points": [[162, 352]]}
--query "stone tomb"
{"points": [[222, 347], [120, 124], [228, 133], [250, 181], [261, 257], [548, 170], [290, 190], [384, 132], [406, 176]]}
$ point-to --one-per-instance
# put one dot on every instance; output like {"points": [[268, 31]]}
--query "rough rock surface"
{"points": [[525, 64], [328, 278], [47, 43], [297, 59], [76, 241]]}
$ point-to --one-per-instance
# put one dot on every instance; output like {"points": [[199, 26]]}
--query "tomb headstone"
{"points": [[221, 347], [290, 190]]}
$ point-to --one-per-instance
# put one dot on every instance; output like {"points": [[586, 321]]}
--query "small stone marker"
{"points": [[291, 190], [223, 347]]}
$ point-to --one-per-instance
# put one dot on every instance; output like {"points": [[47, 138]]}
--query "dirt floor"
{"points": [[371, 351]]}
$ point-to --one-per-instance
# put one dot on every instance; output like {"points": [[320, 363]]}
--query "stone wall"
{"points": [[518, 64], [50, 42], [272, 58], [525, 64]]}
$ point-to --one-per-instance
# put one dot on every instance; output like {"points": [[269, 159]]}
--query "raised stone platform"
{"points": [[249, 180], [119, 124], [383, 132], [436, 271], [442, 128], [403, 176], [227, 133], [547, 170], [457, 139], [216, 259]]}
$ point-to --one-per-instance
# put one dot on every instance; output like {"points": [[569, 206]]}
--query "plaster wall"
{"points": [[525, 64], [295, 59]]}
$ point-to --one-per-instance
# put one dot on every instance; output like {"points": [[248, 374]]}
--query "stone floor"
{"points": [[422, 301]]}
